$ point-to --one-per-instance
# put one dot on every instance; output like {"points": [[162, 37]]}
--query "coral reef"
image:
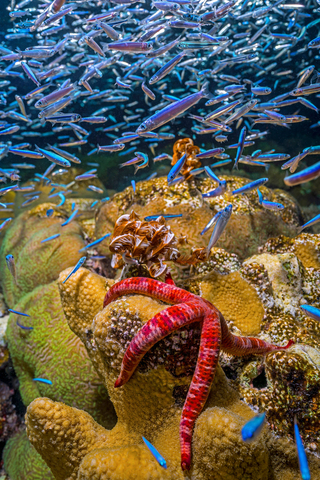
{"points": [[23, 462], [23, 241], [83, 449], [249, 226], [50, 351], [262, 296]]}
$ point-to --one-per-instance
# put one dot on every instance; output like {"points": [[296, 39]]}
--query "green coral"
{"points": [[37, 263], [29, 465], [51, 350]]}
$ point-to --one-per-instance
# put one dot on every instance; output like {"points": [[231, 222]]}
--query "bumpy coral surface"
{"points": [[50, 350], [249, 226], [37, 263], [75, 447], [23, 462], [262, 296]]}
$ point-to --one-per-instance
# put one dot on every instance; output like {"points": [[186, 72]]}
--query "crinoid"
{"points": [[186, 308]]}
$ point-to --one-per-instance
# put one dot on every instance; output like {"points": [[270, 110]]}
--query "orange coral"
{"points": [[182, 146]]}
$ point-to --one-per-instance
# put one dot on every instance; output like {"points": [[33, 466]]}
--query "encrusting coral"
{"points": [[249, 226], [50, 350], [75, 447]]}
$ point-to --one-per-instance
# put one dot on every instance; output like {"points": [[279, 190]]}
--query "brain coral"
{"points": [[37, 263], [51, 350], [249, 227], [150, 404]]}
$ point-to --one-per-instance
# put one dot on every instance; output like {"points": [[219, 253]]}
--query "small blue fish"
{"points": [[217, 192], [311, 311], [242, 137], [303, 462], [69, 220], [23, 326], [311, 222], [252, 429], [18, 313], [306, 175], [133, 183], [154, 217], [49, 212], [63, 199], [5, 223], [269, 205], [250, 186], [79, 264], [42, 380], [11, 267], [174, 172], [212, 175], [155, 453], [50, 238], [95, 242], [211, 223]]}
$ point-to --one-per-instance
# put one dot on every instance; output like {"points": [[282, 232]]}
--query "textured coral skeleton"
{"points": [[187, 308]]}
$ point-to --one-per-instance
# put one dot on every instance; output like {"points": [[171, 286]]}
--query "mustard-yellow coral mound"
{"points": [[149, 405], [249, 226]]}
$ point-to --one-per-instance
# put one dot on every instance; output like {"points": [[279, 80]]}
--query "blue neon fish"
{"points": [[42, 380], [167, 217], [50, 238], [174, 172], [311, 311], [18, 313], [252, 429], [250, 186], [155, 453], [95, 242], [23, 326], [303, 462], [79, 264]]}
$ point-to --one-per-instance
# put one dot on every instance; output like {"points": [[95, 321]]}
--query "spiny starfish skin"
{"points": [[187, 308]]}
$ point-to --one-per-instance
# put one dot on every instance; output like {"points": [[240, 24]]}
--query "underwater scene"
{"points": [[159, 240]]}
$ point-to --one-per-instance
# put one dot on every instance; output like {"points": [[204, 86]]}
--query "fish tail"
{"points": [[205, 90], [136, 168]]}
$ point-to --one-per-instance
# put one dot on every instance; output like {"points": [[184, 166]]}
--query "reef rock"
{"points": [[50, 350], [76, 447], [262, 297], [249, 227]]}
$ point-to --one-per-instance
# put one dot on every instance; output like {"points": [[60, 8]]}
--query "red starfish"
{"points": [[187, 308]]}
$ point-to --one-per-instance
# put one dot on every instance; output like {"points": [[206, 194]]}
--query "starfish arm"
{"points": [[201, 383], [147, 286], [158, 327], [241, 346]]}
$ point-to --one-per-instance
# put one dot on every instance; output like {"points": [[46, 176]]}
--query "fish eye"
{"points": [[149, 45], [142, 127]]}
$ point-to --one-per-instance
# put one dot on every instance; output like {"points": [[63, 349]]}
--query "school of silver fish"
{"points": [[122, 75]]}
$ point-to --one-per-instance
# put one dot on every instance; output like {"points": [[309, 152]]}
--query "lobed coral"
{"points": [[120, 454], [50, 351], [249, 226], [262, 296]]}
